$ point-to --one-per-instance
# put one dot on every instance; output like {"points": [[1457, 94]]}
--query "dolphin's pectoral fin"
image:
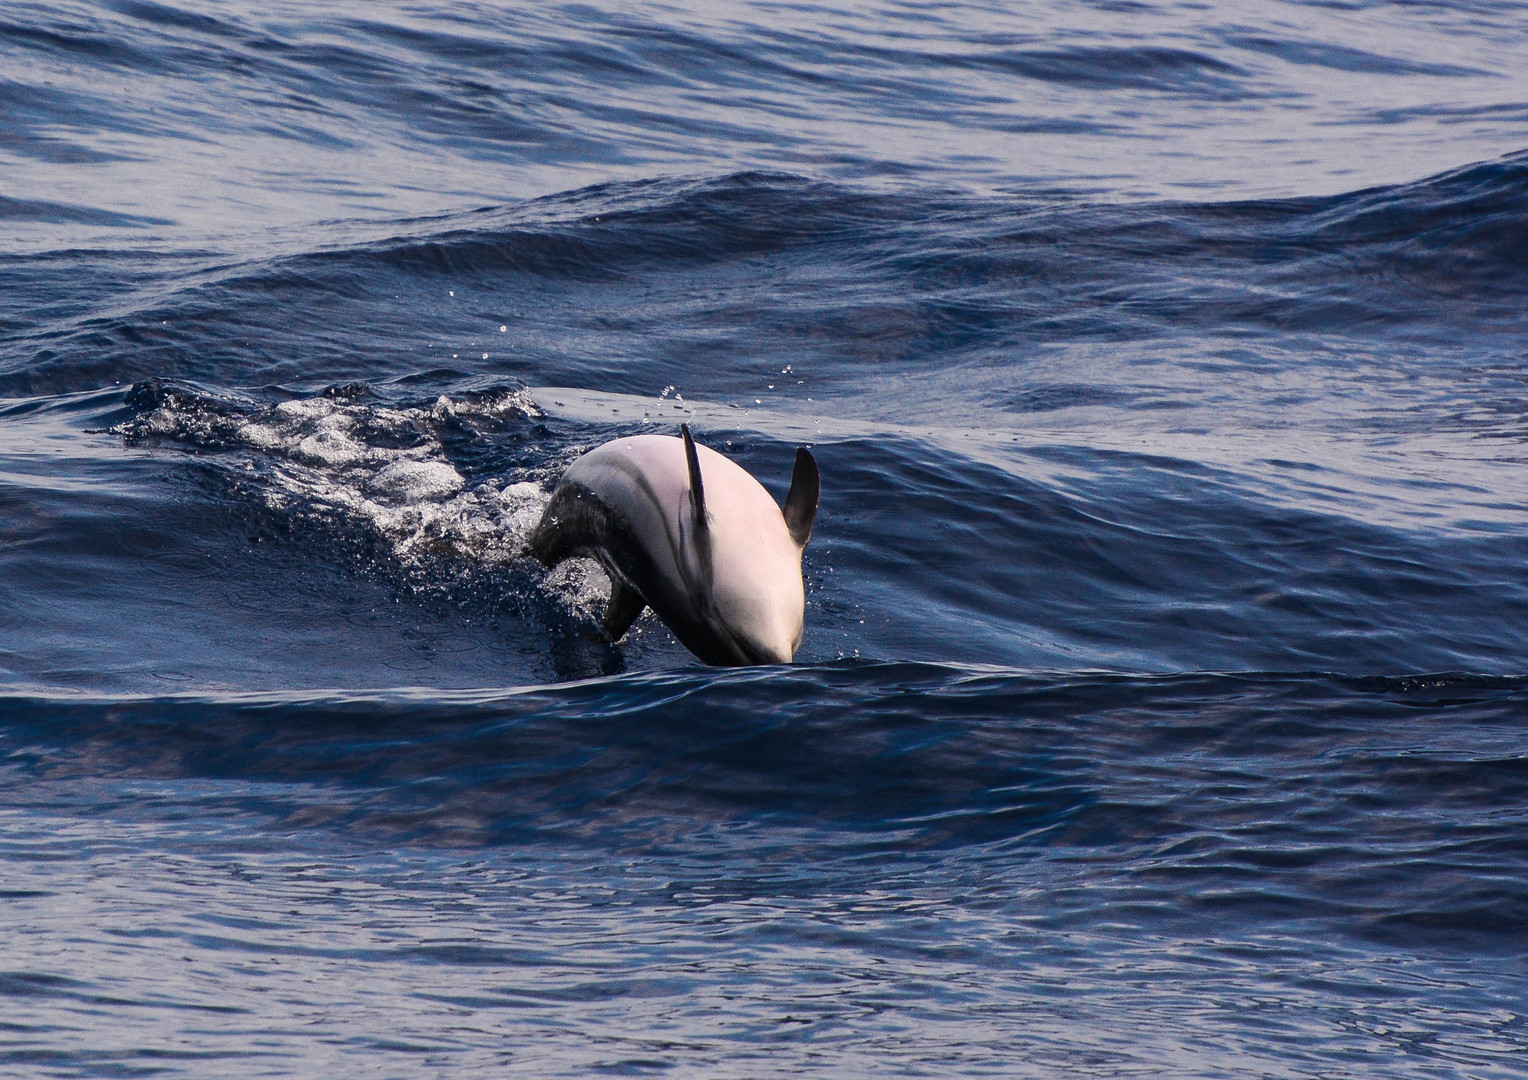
{"points": [[801, 501], [624, 607]]}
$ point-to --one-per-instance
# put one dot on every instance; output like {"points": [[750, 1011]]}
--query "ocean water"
{"points": [[1163, 705]]}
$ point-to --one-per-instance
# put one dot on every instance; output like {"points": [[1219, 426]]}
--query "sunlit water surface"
{"points": [[1162, 709]]}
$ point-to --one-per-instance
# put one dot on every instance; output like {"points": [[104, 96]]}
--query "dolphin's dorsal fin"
{"points": [[801, 501], [697, 488]]}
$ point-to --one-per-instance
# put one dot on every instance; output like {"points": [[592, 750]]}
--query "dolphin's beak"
{"points": [[748, 653], [762, 654]]}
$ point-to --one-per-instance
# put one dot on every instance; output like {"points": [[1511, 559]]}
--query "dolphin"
{"points": [[688, 532]]}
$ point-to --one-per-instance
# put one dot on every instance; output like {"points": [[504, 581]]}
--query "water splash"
{"points": [[352, 458]]}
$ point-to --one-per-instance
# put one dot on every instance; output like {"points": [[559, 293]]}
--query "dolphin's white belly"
{"points": [[728, 585]]}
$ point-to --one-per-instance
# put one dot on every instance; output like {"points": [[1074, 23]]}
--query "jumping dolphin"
{"points": [[685, 531]]}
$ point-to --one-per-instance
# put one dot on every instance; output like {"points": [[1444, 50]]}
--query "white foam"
{"points": [[330, 447], [580, 586], [386, 470], [343, 457], [416, 481]]}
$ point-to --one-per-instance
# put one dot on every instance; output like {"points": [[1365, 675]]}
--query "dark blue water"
{"points": [[1163, 706]]}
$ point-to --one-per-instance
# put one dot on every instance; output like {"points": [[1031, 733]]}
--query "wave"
{"points": [[875, 745], [1361, 784], [1468, 219], [893, 277], [442, 493], [989, 499], [1040, 551]]}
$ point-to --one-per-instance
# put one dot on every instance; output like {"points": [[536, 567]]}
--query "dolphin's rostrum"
{"points": [[688, 532]]}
